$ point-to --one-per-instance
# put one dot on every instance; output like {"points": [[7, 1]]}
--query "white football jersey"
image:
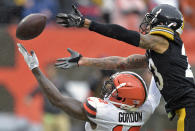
{"points": [[110, 118]]}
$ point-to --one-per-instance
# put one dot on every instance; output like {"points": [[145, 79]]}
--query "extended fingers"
{"points": [[76, 10], [62, 15], [72, 52], [63, 24], [60, 63], [66, 58], [63, 19], [33, 54], [22, 50], [62, 66], [62, 59]]}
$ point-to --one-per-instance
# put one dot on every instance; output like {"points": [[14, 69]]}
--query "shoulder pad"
{"points": [[90, 106], [163, 31]]}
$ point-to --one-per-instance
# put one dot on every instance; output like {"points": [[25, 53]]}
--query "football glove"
{"points": [[69, 62], [74, 19], [31, 60]]}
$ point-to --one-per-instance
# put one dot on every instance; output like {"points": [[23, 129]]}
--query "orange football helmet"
{"points": [[126, 90]]}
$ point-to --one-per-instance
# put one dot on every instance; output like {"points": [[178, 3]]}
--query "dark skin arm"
{"points": [[69, 105], [115, 62], [153, 42]]}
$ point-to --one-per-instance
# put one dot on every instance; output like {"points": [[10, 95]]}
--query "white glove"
{"points": [[31, 60]]}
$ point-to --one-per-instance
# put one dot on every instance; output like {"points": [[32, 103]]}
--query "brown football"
{"points": [[31, 26]]}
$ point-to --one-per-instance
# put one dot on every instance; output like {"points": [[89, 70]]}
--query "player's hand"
{"points": [[69, 62], [74, 19], [31, 59]]}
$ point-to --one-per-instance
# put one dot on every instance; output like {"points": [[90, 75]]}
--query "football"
{"points": [[31, 26]]}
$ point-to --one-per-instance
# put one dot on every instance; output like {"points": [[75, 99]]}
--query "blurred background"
{"points": [[23, 107]]}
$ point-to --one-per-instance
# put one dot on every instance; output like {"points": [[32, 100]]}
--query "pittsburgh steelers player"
{"points": [[165, 56], [125, 106]]}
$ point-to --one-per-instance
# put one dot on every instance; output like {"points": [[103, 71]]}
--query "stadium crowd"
{"points": [[109, 11]]}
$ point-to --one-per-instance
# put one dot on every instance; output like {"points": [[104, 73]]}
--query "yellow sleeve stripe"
{"points": [[163, 28], [153, 30], [165, 33]]}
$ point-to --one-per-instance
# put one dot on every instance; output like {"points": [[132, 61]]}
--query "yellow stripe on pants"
{"points": [[180, 122]]}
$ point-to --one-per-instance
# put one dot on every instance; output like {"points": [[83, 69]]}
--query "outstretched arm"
{"points": [[69, 105], [76, 19], [112, 62], [115, 62], [153, 42]]}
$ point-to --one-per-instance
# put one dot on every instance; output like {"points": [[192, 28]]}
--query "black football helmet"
{"points": [[163, 14]]}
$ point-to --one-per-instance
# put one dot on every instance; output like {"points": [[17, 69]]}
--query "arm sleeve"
{"points": [[116, 32]]}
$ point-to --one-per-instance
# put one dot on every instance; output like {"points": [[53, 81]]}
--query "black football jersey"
{"points": [[171, 70]]}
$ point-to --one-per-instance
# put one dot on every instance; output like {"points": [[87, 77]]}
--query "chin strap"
{"points": [[125, 106]]}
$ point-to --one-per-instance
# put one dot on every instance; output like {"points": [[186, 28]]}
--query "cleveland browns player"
{"points": [[125, 107], [165, 56]]}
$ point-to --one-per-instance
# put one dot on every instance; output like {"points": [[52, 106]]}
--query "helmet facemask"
{"points": [[145, 26], [150, 20], [108, 88]]}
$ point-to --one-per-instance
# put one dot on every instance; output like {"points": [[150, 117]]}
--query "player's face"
{"points": [[107, 88], [145, 26]]}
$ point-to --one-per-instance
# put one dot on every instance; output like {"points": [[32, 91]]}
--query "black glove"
{"points": [[74, 19], [69, 62]]}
